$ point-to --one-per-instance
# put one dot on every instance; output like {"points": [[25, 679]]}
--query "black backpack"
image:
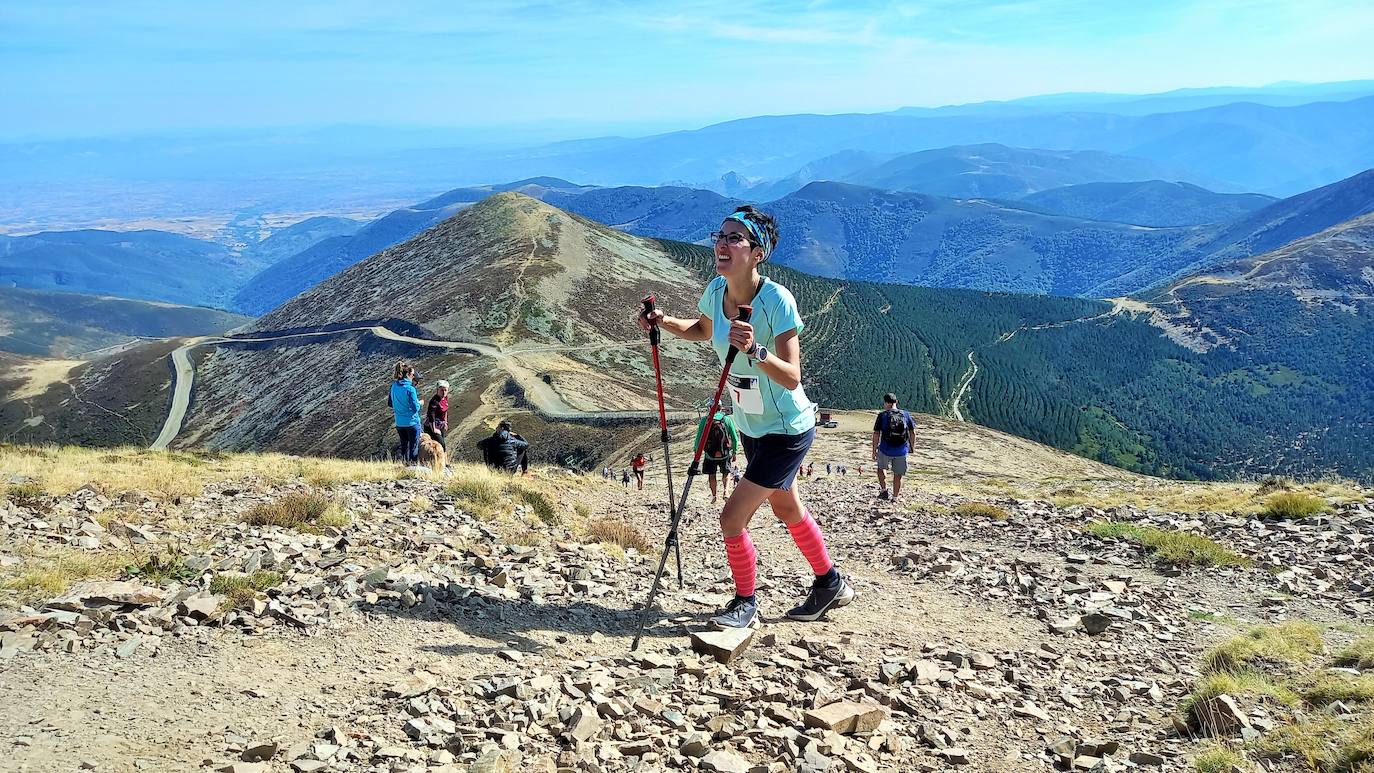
{"points": [[716, 441], [894, 432]]}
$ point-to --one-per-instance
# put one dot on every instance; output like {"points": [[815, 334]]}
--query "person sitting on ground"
{"points": [[405, 407], [722, 444], [505, 450], [894, 435], [436, 414], [639, 464]]}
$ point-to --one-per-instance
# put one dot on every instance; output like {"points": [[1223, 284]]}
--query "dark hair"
{"points": [[503, 425], [763, 220], [890, 398]]}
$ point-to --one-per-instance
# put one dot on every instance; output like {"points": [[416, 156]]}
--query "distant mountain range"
{"points": [[1152, 202], [55, 324], [1213, 376]]}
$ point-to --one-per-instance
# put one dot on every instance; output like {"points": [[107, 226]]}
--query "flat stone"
{"points": [[201, 607], [846, 717], [1147, 759], [724, 645], [584, 724], [1095, 624], [722, 761], [86, 595], [260, 752], [412, 686]]}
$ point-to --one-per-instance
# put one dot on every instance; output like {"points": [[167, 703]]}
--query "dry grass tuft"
{"points": [[27, 494], [171, 474], [1329, 688], [47, 571], [1281, 645], [491, 495], [1170, 547], [1294, 504], [1326, 743], [615, 532], [1218, 759], [258, 581], [301, 511]]}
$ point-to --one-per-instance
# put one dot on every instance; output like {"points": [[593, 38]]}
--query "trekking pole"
{"points": [[692, 471], [654, 337]]}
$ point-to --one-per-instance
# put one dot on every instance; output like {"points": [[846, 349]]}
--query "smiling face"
{"points": [[736, 255]]}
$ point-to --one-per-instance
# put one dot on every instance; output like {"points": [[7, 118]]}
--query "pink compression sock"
{"points": [[739, 551], [808, 537]]}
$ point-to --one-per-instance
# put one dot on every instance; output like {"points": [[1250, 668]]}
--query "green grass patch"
{"points": [[1283, 644], [160, 568], [1293, 504], [1325, 743], [981, 510], [1248, 683], [1218, 759], [1360, 654], [1170, 547], [300, 511], [27, 494], [539, 502], [239, 590], [1329, 688]]}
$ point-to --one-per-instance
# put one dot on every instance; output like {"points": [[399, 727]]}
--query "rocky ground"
{"points": [[430, 634]]}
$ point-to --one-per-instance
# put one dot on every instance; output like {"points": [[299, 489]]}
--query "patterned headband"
{"points": [[759, 233]]}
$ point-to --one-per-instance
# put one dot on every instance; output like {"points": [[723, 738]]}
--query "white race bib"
{"points": [[746, 395]]}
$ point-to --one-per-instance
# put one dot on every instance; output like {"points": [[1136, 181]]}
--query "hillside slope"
{"points": [[36, 322]]}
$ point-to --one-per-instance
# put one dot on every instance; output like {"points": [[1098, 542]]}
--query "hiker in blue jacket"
{"points": [[405, 404]]}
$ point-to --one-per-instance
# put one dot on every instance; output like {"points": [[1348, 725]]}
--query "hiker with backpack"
{"points": [[894, 435], [722, 444], [776, 420], [405, 408]]}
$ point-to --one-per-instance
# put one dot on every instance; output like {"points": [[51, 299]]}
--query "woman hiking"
{"points": [[776, 421], [639, 464], [405, 406], [436, 414]]}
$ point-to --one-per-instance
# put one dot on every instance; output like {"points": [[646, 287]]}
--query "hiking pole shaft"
{"points": [[654, 338], [692, 471]]}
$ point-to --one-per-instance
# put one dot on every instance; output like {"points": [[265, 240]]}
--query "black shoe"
{"points": [[882, 494], [739, 613], [821, 600]]}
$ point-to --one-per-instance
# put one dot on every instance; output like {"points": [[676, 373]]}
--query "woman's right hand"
{"points": [[647, 321]]}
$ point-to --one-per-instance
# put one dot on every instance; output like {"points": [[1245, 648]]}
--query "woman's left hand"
{"points": [[741, 335]]}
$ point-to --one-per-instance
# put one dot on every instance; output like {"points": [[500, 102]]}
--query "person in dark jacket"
{"points": [[405, 406], [436, 414], [504, 449]]}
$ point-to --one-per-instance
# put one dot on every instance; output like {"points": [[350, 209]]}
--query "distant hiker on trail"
{"points": [[827, 468], [436, 414], [722, 444], [625, 478], [775, 419], [894, 435], [638, 464], [605, 473], [505, 450], [405, 406]]}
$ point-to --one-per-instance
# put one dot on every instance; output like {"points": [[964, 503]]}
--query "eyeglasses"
{"points": [[732, 238]]}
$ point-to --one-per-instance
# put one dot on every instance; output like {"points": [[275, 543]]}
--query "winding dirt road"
{"points": [[956, 404], [545, 399]]}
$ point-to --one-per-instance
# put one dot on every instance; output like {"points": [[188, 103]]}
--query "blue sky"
{"points": [[91, 68]]}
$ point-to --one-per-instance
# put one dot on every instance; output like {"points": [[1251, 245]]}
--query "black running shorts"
{"points": [[774, 459]]}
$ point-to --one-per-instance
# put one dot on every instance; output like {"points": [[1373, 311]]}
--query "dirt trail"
{"points": [[542, 395]]}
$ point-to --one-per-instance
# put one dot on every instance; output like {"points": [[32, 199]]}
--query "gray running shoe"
{"points": [[739, 613], [821, 600]]}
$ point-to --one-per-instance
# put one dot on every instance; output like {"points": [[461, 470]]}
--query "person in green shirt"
{"points": [[722, 444]]}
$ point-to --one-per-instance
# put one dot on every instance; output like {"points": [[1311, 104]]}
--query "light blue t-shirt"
{"points": [[761, 406]]}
